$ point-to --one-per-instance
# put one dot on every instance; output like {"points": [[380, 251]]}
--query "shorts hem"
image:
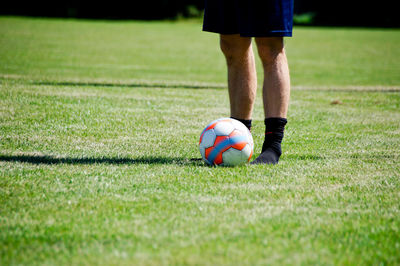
{"points": [[274, 33]]}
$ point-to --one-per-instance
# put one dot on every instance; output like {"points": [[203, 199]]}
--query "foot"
{"points": [[269, 156]]}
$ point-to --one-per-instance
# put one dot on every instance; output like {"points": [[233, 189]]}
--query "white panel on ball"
{"points": [[233, 157], [250, 140], [239, 125], [223, 128], [208, 138], [246, 151]]}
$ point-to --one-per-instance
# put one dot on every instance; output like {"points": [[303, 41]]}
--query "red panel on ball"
{"points": [[219, 139], [208, 151], [218, 159], [240, 145], [235, 133]]}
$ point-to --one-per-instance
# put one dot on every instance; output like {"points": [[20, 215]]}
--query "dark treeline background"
{"points": [[383, 13]]}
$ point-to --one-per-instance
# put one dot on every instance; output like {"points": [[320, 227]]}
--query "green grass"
{"points": [[99, 122]]}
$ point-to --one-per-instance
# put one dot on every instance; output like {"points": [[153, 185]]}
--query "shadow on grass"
{"points": [[47, 159], [129, 85]]}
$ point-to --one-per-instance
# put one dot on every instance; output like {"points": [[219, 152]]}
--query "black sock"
{"points": [[247, 123], [271, 150]]}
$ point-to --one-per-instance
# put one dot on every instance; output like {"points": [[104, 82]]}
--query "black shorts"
{"points": [[249, 18]]}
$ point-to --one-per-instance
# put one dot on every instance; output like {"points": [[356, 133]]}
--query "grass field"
{"points": [[99, 124]]}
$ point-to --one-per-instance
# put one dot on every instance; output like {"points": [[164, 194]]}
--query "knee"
{"points": [[269, 49], [234, 48]]}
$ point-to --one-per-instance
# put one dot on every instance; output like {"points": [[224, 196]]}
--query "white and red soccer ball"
{"points": [[226, 142]]}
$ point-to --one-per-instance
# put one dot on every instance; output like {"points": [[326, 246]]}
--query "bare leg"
{"points": [[276, 87], [242, 80], [276, 93]]}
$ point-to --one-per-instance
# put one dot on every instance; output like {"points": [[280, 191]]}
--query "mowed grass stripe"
{"points": [[169, 51], [89, 108]]}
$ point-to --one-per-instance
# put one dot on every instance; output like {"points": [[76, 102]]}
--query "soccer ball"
{"points": [[226, 142]]}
